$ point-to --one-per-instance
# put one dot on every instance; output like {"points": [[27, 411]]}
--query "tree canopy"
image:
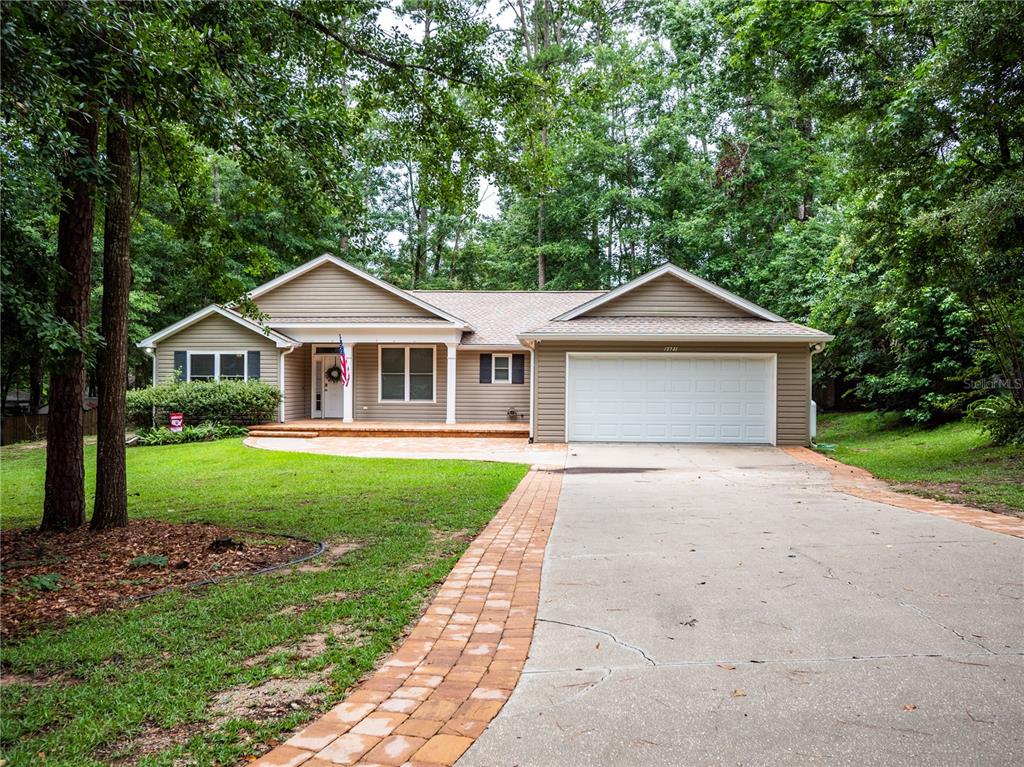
{"points": [[853, 165]]}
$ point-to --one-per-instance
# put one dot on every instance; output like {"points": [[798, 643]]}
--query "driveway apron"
{"points": [[725, 605]]}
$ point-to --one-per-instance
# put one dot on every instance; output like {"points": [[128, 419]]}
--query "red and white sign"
{"points": [[177, 421]]}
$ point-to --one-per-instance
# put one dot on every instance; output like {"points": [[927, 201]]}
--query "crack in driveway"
{"points": [[602, 632]]}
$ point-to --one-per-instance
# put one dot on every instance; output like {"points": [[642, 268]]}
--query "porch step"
{"points": [[257, 432]]}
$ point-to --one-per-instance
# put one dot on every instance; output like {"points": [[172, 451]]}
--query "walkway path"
{"points": [[433, 697]]}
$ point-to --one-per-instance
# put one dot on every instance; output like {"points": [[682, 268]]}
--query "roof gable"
{"points": [[330, 287], [279, 339], [669, 291]]}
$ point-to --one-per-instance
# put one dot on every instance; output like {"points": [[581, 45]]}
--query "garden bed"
{"points": [[48, 579]]}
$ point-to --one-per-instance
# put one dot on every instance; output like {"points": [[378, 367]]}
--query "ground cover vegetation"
{"points": [[952, 462]]}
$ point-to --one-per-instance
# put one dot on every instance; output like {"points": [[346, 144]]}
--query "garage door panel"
{"points": [[669, 399]]}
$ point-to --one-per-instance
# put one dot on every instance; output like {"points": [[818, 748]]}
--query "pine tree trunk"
{"points": [[111, 502], [64, 492], [542, 264]]}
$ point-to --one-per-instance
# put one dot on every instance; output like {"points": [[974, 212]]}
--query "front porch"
{"points": [[336, 427]]}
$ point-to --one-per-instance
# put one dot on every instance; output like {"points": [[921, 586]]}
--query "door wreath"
{"points": [[333, 374]]}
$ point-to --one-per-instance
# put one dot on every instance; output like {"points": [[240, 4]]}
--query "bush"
{"points": [[204, 432], [1001, 416], [221, 402]]}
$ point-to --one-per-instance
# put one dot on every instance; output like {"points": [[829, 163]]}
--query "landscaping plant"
{"points": [[210, 402]]}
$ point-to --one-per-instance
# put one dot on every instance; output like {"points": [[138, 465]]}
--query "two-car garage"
{"points": [[670, 397]]}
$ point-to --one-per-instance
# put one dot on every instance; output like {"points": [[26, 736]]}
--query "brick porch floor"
{"points": [[863, 484], [335, 427], [431, 699]]}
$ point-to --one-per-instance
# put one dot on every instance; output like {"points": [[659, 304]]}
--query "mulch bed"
{"points": [[96, 570]]}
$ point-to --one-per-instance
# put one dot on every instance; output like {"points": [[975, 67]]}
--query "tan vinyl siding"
{"points": [[792, 384], [367, 391], [667, 296], [217, 334], [330, 291], [296, 383], [475, 401]]}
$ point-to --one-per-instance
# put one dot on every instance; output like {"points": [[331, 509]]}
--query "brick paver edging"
{"points": [[431, 699], [863, 484]]}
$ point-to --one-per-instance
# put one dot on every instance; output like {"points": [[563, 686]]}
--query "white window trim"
{"points": [[216, 362], [494, 369], [380, 374]]}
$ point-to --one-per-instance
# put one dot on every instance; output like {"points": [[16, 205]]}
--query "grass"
{"points": [[151, 671], [953, 462]]}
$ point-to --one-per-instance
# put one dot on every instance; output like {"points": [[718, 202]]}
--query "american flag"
{"points": [[344, 362]]}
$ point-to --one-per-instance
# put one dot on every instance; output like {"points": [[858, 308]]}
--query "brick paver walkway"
{"points": [[428, 703], [863, 484]]}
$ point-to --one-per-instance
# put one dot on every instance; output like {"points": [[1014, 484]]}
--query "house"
{"points": [[667, 357]]}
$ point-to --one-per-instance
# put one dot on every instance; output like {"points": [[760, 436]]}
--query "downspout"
{"points": [[280, 378], [152, 410], [533, 386], [812, 416]]}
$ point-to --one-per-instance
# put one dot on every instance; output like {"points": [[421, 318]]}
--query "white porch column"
{"points": [[347, 407], [450, 404]]}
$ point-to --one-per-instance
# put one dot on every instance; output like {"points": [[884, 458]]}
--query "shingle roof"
{"points": [[359, 320], [675, 326], [499, 316]]}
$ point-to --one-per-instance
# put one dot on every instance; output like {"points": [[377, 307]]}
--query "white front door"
{"points": [[670, 398], [327, 394]]}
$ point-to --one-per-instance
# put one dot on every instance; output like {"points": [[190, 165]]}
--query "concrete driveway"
{"points": [[724, 605]]}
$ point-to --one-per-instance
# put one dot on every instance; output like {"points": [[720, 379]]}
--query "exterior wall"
{"points": [[217, 334], [330, 291], [667, 296], [792, 384], [366, 392], [475, 401], [296, 383]]}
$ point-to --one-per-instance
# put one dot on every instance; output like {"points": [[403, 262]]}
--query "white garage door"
{"points": [[670, 398]]}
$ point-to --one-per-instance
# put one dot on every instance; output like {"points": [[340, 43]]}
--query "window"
{"points": [[202, 367], [392, 374], [502, 372], [218, 366], [406, 373], [232, 366]]}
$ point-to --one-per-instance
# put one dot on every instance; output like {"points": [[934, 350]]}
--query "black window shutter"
{"points": [[485, 368], [518, 368], [180, 366], [254, 364]]}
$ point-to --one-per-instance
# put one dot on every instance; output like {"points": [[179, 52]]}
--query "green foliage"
{"points": [[148, 560], [211, 402], [954, 461], [43, 582], [1001, 416], [203, 432]]}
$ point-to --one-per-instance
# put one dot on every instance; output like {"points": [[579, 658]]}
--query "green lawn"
{"points": [[152, 672], [952, 462]]}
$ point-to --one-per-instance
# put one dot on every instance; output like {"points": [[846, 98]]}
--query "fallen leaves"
{"points": [[739, 692], [91, 571]]}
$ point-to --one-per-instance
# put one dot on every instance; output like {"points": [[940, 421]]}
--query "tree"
{"points": [[110, 508], [64, 499]]}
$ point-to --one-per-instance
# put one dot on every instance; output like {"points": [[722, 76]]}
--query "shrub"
{"points": [[1001, 416], [239, 402], [204, 432]]}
